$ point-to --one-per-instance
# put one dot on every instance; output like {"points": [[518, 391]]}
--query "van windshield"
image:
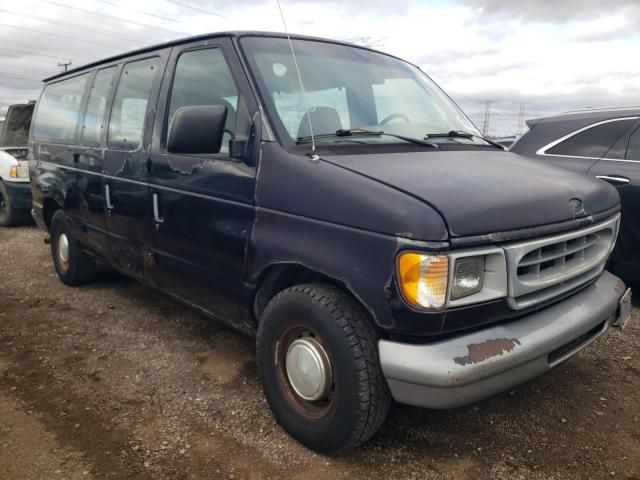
{"points": [[351, 88]]}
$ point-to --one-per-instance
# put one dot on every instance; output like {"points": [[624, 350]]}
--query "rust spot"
{"points": [[479, 352]]}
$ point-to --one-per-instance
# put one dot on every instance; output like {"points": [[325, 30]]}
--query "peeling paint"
{"points": [[479, 352], [185, 165]]}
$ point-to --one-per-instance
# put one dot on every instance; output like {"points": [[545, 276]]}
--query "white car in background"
{"points": [[15, 191]]}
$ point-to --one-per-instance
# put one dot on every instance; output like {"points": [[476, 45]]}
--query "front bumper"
{"points": [[467, 368], [19, 194]]}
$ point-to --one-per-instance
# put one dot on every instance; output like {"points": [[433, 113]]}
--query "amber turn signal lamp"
{"points": [[423, 279]]}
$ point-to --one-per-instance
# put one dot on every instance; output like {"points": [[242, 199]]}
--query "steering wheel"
{"points": [[394, 116]]}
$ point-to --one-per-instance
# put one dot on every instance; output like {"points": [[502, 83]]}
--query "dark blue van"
{"points": [[353, 220]]}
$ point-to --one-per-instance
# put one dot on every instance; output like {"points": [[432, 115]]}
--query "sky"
{"points": [[537, 56]]}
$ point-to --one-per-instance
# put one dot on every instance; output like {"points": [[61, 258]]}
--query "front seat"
{"points": [[323, 119]]}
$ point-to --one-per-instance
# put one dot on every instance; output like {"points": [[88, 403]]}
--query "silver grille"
{"points": [[541, 269]]}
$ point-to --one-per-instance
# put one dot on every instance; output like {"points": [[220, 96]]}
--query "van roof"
{"points": [[195, 38]]}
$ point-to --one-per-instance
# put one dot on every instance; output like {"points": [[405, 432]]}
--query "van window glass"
{"points": [[400, 95], [593, 142], [94, 115], [58, 111], [202, 77], [292, 108], [126, 123], [633, 150], [349, 87]]}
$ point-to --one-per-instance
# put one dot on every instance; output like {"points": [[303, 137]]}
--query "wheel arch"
{"points": [[49, 208], [280, 276]]}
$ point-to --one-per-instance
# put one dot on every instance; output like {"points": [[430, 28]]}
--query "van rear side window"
{"points": [[58, 112], [94, 115], [126, 123]]}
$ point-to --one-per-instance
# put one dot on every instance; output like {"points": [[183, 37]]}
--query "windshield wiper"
{"points": [[460, 134], [347, 132]]}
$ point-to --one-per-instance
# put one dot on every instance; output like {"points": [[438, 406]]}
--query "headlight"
{"points": [[468, 276], [423, 279], [19, 171]]}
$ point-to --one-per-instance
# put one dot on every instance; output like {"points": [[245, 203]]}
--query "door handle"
{"points": [[107, 197], [614, 179], [156, 210]]}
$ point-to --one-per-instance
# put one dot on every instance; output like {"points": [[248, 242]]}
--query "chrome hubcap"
{"points": [[63, 248], [309, 369]]}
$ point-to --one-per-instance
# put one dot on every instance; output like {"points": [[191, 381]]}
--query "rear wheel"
{"points": [[9, 216], [318, 361], [73, 265]]}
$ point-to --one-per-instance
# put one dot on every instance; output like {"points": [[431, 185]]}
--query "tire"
{"points": [[9, 216], [74, 267], [355, 405]]}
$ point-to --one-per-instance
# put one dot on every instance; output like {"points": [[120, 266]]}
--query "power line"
{"points": [[36, 54], [197, 9], [19, 77], [96, 31], [39, 46], [112, 17], [141, 11], [75, 39]]}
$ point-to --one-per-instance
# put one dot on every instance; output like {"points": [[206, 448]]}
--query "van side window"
{"points": [[126, 123], [94, 115], [633, 150], [202, 77], [58, 112], [593, 142]]}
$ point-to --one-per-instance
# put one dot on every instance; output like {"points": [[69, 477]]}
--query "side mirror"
{"points": [[197, 129]]}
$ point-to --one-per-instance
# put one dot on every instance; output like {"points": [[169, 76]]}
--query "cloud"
{"points": [[547, 11], [605, 29], [571, 55]]}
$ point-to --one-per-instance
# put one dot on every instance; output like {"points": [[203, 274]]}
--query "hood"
{"points": [[16, 125], [484, 192]]}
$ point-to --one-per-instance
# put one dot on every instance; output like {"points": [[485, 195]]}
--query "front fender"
{"points": [[362, 261]]}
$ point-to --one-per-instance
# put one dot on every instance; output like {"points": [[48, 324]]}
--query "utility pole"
{"points": [[521, 118], [64, 65], [487, 118]]}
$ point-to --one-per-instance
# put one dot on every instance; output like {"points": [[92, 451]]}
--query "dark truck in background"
{"points": [[371, 240], [603, 143]]}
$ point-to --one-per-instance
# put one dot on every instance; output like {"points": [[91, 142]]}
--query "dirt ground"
{"points": [[113, 380]]}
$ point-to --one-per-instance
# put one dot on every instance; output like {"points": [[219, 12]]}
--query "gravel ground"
{"points": [[113, 380]]}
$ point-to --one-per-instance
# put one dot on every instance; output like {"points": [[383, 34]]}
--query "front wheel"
{"points": [[73, 265], [318, 360]]}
